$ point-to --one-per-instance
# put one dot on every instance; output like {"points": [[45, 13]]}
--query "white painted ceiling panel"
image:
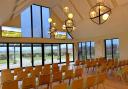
{"points": [[122, 2]]}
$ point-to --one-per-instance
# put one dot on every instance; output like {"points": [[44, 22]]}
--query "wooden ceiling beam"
{"points": [[76, 9], [54, 14], [114, 2], [89, 3]]}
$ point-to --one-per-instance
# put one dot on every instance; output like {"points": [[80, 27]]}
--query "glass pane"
{"points": [[11, 31], [26, 55], [3, 56], [56, 55], [14, 55], [37, 54], [63, 52], [88, 50], [92, 49], [83, 51], [108, 49], [69, 36], [46, 24], [26, 23], [36, 15], [80, 52], [116, 48], [47, 54], [70, 51]]}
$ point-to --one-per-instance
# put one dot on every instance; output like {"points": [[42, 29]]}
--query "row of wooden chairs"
{"points": [[82, 83], [44, 76]]}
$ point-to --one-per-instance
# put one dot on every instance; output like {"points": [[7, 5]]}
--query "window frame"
{"points": [[32, 59], [80, 49], [105, 44]]}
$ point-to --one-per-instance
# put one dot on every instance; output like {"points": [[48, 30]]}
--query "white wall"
{"points": [[99, 44]]}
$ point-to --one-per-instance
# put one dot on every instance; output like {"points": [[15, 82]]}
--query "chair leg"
{"points": [[97, 86], [103, 85]]}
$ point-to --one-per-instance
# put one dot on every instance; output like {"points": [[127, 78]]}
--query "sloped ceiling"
{"points": [[80, 8]]}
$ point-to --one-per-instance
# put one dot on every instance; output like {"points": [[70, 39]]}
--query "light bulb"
{"points": [[100, 1], [55, 33], [70, 15], [93, 14], [66, 9], [50, 20], [105, 16], [64, 27], [54, 24]]}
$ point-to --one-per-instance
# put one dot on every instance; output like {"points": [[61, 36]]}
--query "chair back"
{"points": [[64, 68], [38, 68], [29, 83], [55, 68], [17, 70], [6, 76], [78, 72], [21, 75], [91, 81], [77, 84], [57, 77], [44, 79], [46, 69], [60, 86], [29, 69], [10, 85], [69, 74]]}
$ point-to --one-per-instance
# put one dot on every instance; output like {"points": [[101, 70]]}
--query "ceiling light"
{"points": [[100, 13]]}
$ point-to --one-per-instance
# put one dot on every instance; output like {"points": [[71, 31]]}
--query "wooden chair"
{"points": [[21, 75], [46, 69], [5, 71], [57, 77], [90, 82], [35, 73], [29, 69], [10, 85], [78, 72], [38, 68], [17, 70], [6, 76], [69, 75], [77, 62], [82, 62], [60, 86], [29, 83], [77, 84], [100, 79], [64, 68], [55, 68], [44, 79]]}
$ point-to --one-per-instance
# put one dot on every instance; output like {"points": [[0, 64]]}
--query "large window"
{"points": [[3, 56], [47, 54], [14, 55], [46, 25], [56, 53], [26, 23], [70, 51], [34, 21], [63, 52], [37, 54], [86, 50], [26, 55], [112, 48], [11, 31]]}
